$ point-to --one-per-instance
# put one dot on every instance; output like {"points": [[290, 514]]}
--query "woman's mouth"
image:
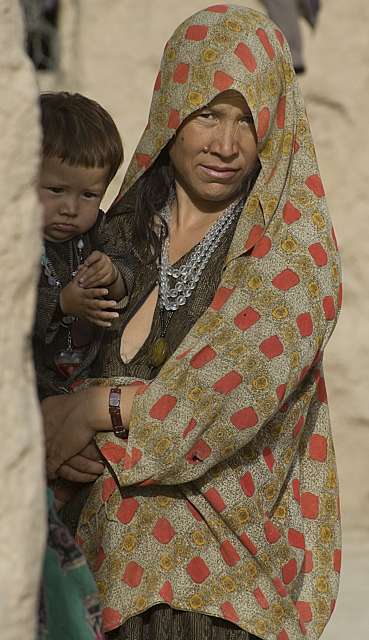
{"points": [[219, 173]]}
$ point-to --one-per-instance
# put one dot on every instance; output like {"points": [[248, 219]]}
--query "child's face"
{"points": [[71, 198]]}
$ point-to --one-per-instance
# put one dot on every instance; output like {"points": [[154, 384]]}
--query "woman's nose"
{"points": [[225, 142]]}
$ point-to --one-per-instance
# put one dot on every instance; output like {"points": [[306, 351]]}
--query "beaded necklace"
{"points": [[186, 277]]}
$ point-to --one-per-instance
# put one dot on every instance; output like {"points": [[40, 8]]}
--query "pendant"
{"points": [[69, 361], [82, 334], [159, 352], [68, 321]]}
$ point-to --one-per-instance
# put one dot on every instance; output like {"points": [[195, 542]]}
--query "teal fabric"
{"points": [[69, 603]]}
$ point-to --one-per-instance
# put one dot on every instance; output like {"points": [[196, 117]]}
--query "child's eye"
{"points": [[90, 195], [56, 190]]}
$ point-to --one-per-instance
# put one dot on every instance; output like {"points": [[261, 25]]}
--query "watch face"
{"points": [[114, 400]]}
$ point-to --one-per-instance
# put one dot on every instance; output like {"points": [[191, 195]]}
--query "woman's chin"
{"points": [[218, 194]]}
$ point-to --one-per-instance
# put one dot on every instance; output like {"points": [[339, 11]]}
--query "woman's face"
{"points": [[215, 150]]}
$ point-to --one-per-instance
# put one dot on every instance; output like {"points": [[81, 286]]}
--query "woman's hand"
{"points": [[86, 466], [68, 421], [70, 424]]}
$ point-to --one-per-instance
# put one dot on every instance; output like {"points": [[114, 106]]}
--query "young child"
{"points": [[79, 285]]}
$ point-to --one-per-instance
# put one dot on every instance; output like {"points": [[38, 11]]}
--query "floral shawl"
{"points": [[228, 500]]}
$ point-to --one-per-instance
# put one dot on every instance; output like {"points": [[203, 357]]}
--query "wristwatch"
{"points": [[115, 414]]}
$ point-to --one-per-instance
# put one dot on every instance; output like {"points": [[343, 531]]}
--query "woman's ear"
{"points": [[172, 141]]}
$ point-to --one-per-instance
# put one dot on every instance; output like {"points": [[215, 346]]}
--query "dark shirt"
{"points": [[50, 333], [109, 362]]}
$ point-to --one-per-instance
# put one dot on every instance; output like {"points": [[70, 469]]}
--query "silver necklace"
{"points": [[49, 269], [70, 359], [188, 275]]}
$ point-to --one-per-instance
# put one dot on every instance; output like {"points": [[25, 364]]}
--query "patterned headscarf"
{"points": [[237, 419], [229, 47]]}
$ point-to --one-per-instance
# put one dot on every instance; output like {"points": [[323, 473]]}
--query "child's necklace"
{"points": [[49, 269], [70, 359]]}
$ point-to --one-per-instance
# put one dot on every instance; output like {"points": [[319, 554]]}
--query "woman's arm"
{"points": [[258, 345], [72, 421]]}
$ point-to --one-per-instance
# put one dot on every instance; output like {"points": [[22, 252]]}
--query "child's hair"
{"points": [[79, 131]]}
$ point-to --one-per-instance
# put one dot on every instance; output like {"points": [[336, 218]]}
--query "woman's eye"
{"points": [[248, 119], [207, 115]]}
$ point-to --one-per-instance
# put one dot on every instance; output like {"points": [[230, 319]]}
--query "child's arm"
{"points": [[47, 313], [98, 270]]}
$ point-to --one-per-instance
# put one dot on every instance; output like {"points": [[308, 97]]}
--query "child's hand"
{"points": [[97, 271], [88, 304]]}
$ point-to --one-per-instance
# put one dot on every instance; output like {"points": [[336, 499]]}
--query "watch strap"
{"points": [[115, 414]]}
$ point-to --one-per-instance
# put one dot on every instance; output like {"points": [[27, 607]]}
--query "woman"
{"points": [[218, 516]]}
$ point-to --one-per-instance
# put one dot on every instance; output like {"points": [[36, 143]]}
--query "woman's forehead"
{"points": [[232, 98], [217, 50]]}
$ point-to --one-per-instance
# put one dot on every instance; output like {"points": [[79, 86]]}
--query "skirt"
{"points": [[161, 622]]}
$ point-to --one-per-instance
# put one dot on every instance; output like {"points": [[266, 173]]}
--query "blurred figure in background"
{"points": [[286, 14]]}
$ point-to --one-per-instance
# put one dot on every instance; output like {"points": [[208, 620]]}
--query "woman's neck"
{"points": [[189, 213]]}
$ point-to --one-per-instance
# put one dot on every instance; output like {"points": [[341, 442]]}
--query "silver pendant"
{"points": [[69, 361]]}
